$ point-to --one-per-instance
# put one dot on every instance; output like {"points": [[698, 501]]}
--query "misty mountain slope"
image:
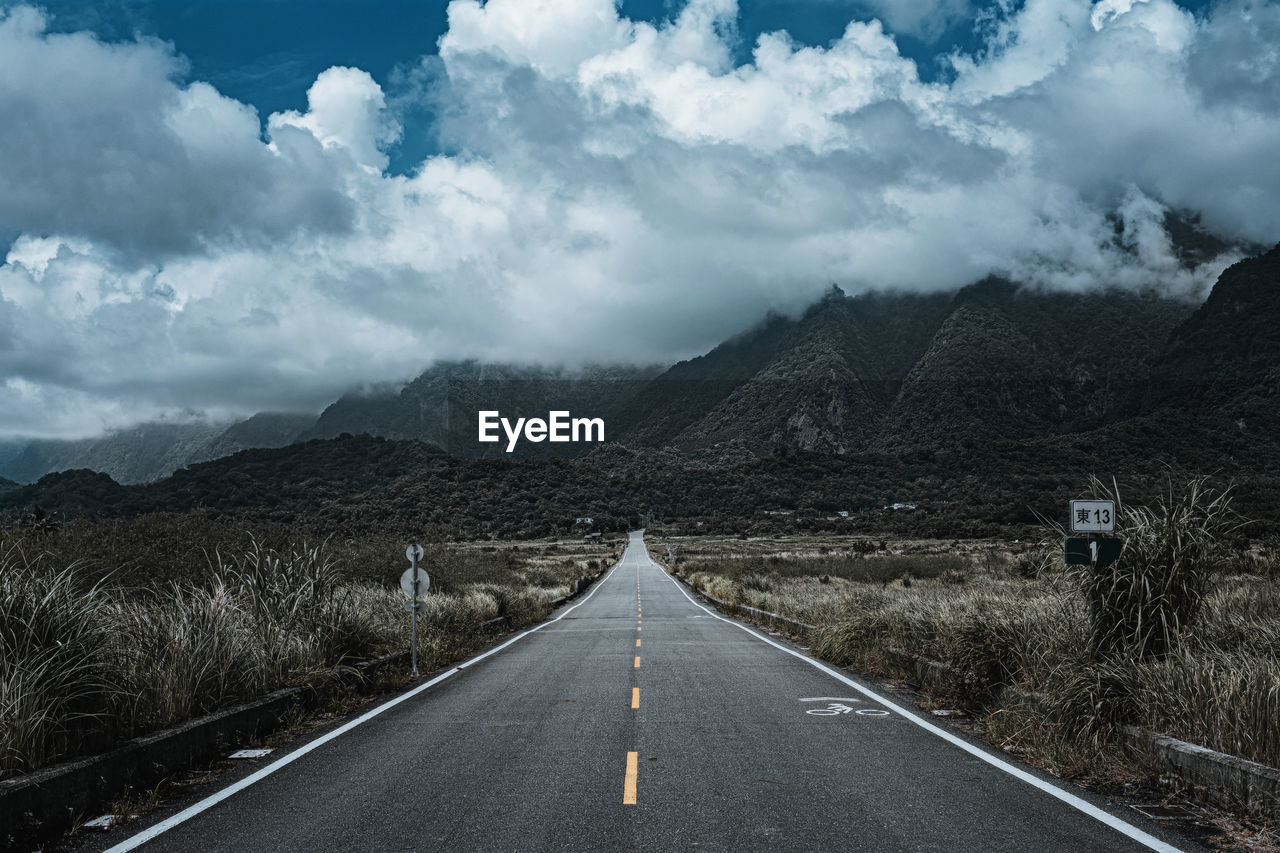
{"points": [[136, 455], [265, 429], [439, 406], [832, 381], [1012, 363], [6, 485], [150, 451], [685, 393], [878, 371], [1230, 347], [980, 380]]}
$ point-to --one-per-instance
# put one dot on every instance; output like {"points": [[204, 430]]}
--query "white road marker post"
{"points": [[414, 583]]}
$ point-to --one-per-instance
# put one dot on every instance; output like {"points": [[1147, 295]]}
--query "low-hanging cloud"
{"points": [[612, 190]]}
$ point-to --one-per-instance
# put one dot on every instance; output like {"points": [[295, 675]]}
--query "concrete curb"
{"points": [[803, 629], [37, 803], [1228, 780], [928, 673], [53, 797], [1225, 779]]}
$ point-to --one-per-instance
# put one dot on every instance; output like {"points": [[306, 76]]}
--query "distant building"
{"points": [[900, 506], [584, 519], [844, 513], [591, 538]]}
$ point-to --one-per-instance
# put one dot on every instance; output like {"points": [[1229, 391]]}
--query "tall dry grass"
{"points": [[91, 653], [1192, 632]]}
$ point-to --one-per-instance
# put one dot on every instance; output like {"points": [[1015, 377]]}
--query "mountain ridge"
{"points": [[874, 372]]}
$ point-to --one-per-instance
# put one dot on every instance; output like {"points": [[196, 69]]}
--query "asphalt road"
{"points": [[638, 720]]}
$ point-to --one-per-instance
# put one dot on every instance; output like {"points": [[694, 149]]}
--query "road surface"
{"points": [[639, 720]]}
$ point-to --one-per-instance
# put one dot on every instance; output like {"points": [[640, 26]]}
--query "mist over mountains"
{"points": [[872, 373], [986, 408]]}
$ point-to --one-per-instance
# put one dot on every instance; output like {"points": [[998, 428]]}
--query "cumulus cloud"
{"points": [[613, 190], [346, 109], [100, 142]]}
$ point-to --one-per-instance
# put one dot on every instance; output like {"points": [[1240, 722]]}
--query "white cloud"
{"points": [[346, 109], [617, 191], [100, 141]]}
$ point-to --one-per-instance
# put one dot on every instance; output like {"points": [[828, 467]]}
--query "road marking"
{"points": [[1081, 805], [635, 697], [637, 642], [135, 841], [629, 783], [637, 663]]}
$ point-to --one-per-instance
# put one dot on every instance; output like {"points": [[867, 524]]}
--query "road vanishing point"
{"points": [[636, 719]]}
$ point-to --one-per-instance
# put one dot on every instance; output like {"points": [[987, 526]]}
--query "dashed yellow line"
{"points": [[637, 663], [629, 782], [637, 642], [635, 697]]}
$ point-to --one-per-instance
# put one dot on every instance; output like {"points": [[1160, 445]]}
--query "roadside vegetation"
{"points": [[1187, 641], [110, 629]]}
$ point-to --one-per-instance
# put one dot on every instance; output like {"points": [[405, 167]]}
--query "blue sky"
{"points": [[268, 52], [226, 207]]}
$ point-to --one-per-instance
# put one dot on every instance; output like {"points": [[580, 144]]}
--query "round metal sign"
{"points": [[414, 553], [406, 582]]}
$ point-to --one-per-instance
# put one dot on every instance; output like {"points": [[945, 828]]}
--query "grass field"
{"points": [[1010, 613], [112, 629]]}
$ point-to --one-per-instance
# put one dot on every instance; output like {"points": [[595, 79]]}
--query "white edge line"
{"points": [[209, 802], [1070, 799]]}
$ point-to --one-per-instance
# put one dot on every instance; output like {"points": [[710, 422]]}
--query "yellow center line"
{"points": [[635, 697], [637, 642], [629, 783], [637, 663]]}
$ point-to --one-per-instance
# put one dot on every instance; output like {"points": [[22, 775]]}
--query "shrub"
{"points": [[1147, 600]]}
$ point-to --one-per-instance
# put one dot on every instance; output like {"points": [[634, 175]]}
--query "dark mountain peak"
{"points": [[1245, 288], [1230, 344], [993, 291], [1192, 242]]}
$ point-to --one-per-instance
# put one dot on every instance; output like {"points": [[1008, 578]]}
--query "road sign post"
{"points": [[1093, 518], [414, 583]]}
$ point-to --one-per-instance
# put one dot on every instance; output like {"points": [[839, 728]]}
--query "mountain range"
{"points": [[871, 373], [988, 408]]}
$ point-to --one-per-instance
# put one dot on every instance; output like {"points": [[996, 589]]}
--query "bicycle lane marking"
{"points": [[1085, 807]]}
